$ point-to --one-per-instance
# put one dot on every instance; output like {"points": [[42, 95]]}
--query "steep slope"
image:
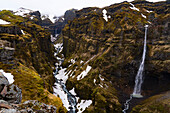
{"points": [[110, 41], [157, 104], [26, 52]]}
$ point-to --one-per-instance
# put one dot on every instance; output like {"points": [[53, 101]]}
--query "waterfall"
{"points": [[139, 76]]}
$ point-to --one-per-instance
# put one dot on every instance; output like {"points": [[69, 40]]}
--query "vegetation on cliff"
{"points": [[113, 47], [31, 59]]}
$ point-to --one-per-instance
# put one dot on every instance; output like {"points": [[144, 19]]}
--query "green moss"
{"points": [[157, 104]]}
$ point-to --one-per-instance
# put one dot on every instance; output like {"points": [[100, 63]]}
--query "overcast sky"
{"points": [[56, 7]]}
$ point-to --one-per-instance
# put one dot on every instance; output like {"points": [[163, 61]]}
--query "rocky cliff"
{"points": [[27, 53], [110, 41]]}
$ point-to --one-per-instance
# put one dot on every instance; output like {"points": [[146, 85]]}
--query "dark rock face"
{"points": [[58, 25], [70, 15], [10, 30]]}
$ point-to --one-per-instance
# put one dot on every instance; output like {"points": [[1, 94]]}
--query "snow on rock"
{"points": [[133, 7], [94, 81], [23, 11], [22, 32], [81, 61], [102, 79], [73, 92], [100, 85], [51, 17], [109, 16], [149, 11], [62, 75], [31, 17], [83, 105], [84, 73], [143, 15], [3, 22], [9, 76], [104, 15], [149, 22], [72, 61], [58, 47], [58, 91]]}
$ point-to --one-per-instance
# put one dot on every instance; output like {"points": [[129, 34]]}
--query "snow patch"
{"points": [[9, 76], [22, 32], [104, 15], [62, 75], [109, 16], [23, 12], [94, 81], [84, 73], [133, 7], [58, 47], [58, 91], [149, 11], [81, 61], [73, 92], [143, 15], [102, 79], [31, 17], [100, 85], [149, 22], [3, 22], [72, 61], [83, 105]]}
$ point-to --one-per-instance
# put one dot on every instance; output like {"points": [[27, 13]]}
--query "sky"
{"points": [[57, 7]]}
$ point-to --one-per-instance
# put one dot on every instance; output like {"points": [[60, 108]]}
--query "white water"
{"points": [[68, 99], [139, 77]]}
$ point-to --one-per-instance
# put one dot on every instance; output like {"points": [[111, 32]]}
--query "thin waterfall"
{"points": [[139, 76]]}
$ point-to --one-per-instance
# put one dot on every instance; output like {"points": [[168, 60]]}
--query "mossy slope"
{"points": [[33, 59], [114, 49]]}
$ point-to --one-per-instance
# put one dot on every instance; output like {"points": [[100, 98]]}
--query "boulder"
{"points": [[9, 111], [3, 83], [36, 106], [13, 95]]}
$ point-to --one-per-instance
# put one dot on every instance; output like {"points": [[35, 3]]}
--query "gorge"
{"points": [[86, 61]]}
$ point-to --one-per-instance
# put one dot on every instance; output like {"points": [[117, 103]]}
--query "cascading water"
{"points": [[139, 77], [71, 98]]}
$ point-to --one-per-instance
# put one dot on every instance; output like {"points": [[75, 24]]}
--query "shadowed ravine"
{"points": [[139, 77]]}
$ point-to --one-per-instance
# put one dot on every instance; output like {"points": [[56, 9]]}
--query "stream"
{"points": [[60, 82]]}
